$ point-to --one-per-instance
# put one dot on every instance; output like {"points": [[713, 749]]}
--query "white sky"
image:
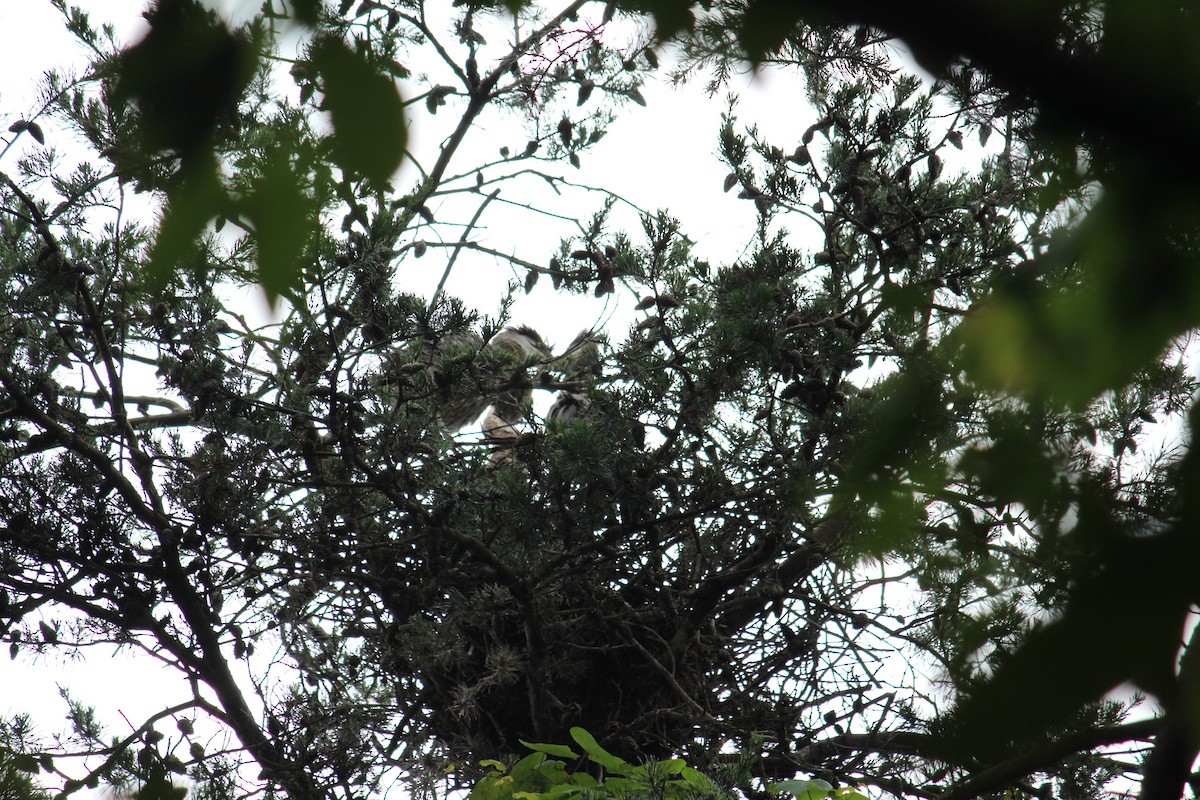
{"points": [[659, 157]]}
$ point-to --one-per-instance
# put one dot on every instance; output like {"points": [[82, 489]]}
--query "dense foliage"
{"points": [[806, 517]]}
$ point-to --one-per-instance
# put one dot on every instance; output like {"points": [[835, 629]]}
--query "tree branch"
{"points": [[1007, 772]]}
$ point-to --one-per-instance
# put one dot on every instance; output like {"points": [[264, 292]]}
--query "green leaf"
{"points": [[555, 772], [697, 778], [617, 766], [307, 12], [584, 780], [524, 769], [493, 788], [849, 793], [193, 199], [803, 790], [368, 114], [556, 750], [284, 218], [624, 787], [1121, 624], [185, 77]]}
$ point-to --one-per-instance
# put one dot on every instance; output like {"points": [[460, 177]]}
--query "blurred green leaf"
{"points": [[159, 788], [908, 414], [1124, 622], [185, 77], [900, 516], [284, 216], [307, 12], [1015, 466], [193, 199], [368, 114], [1142, 291], [25, 762], [765, 27], [908, 299], [671, 17]]}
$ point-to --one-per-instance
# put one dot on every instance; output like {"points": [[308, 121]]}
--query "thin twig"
{"points": [[458, 248]]}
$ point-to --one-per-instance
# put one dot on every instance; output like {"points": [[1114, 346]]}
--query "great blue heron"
{"points": [[579, 361], [475, 378], [502, 436], [500, 381]]}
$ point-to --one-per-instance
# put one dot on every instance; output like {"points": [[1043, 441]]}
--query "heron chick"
{"points": [[579, 361], [503, 384]]}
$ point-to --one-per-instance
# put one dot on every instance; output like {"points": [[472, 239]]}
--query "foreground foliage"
{"points": [[555, 770], [812, 509]]}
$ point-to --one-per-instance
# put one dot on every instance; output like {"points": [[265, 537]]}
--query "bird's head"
{"points": [[582, 356], [524, 341]]}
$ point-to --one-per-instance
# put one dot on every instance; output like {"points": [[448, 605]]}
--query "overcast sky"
{"points": [[658, 157]]}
